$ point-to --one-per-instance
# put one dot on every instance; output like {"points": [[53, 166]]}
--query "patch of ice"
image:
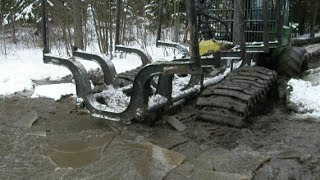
{"points": [[54, 91]]}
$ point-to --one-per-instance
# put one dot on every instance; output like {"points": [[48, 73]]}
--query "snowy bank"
{"points": [[21, 66], [54, 91], [304, 97]]}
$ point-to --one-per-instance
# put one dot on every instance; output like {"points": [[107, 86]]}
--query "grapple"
{"points": [[151, 84]]}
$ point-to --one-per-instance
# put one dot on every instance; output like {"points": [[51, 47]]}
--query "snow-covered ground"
{"points": [[21, 65], [304, 94], [307, 36]]}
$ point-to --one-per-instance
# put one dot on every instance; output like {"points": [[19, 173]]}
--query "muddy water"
{"points": [[81, 152]]}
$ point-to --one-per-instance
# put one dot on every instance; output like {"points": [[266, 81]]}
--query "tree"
{"points": [[77, 13], [315, 10], [118, 20]]}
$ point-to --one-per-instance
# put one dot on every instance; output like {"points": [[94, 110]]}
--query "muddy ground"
{"points": [[44, 139]]}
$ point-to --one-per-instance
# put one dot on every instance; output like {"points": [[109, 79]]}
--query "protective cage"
{"points": [[218, 19]]}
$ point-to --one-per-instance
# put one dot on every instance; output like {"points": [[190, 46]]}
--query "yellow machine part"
{"points": [[207, 46]]}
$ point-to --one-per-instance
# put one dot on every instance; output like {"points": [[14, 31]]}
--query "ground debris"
{"points": [[241, 160], [167, 139], [188, 171], [175, 123], [37, 133], [290, 154], [25, 120]]}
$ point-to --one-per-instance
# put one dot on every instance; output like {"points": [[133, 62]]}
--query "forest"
{"points": [[80, 23]]}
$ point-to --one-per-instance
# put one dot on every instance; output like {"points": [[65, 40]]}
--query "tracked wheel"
{"points": [[237, 97], [293, 62]]}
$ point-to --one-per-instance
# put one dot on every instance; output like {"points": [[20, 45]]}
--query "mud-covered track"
{"points": [[236, 98]]}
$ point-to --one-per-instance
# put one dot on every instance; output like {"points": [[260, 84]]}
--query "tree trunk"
{"points": [[314, 18], [77, 22], [96, 28], [14, 37], [118, 16], [64, 36], [84, 23], [194, 44], [110, 28], [159, 19], [176, 21]]}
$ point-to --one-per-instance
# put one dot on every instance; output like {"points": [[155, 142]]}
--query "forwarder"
{"points": [[254, 32]]}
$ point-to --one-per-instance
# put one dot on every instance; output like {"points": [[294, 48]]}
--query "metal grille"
{"points": [[219, 21], [217, 17], [254, 20]]}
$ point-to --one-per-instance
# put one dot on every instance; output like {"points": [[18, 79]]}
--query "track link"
{"points": [[237, 97]]}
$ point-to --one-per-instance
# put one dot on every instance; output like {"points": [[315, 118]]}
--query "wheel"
{"points": [[293, 61]]}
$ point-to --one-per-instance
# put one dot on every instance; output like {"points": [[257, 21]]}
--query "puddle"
{"points": [[76, 154]]}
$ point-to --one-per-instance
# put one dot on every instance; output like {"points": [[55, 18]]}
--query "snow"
{"points": [[54, 91], [114, 99], [18, 68], [155, 100], [304, 94], [20, 65], [307, 36], [313, 48]]}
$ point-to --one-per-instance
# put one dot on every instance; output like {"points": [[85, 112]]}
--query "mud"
{"points": [[64, 142], [44, 139]]}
